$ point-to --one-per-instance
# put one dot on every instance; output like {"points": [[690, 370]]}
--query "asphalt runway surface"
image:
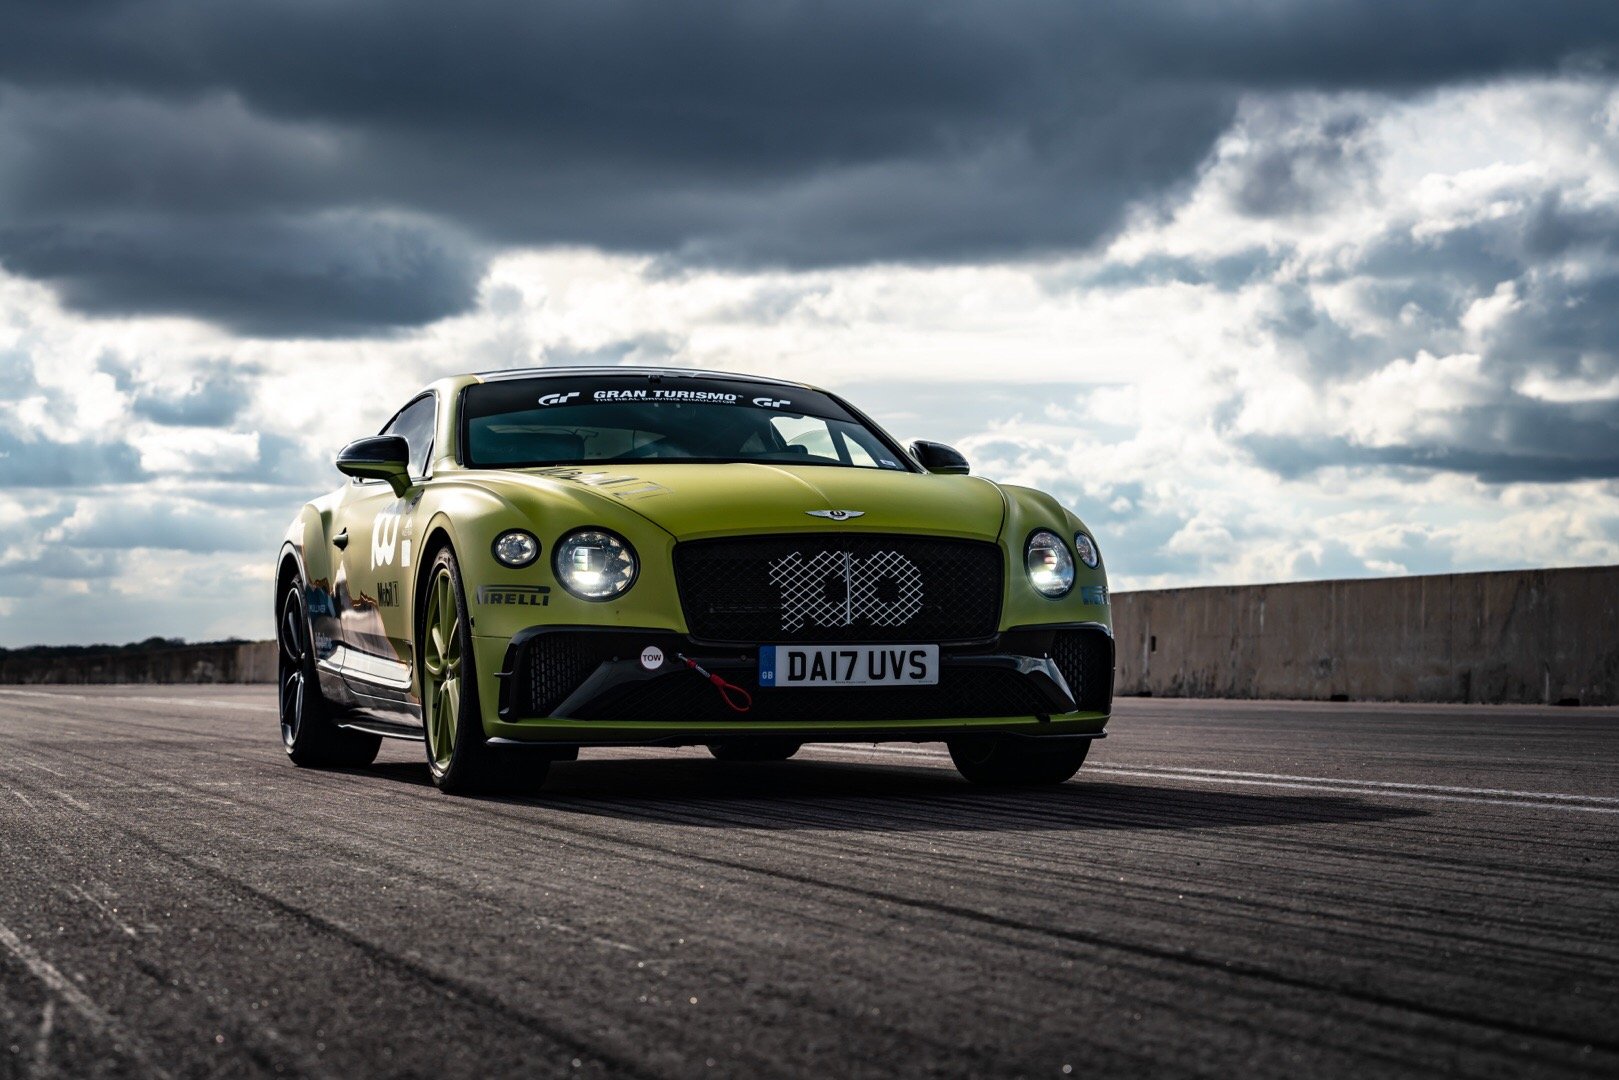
{"points": [[1275, 889]]}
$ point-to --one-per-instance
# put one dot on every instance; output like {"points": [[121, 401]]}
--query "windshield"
{"points": [[560, 421]]}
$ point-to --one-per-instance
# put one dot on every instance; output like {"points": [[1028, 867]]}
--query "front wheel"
{"points": [[459, 757], [1018, 762], [308, 732]]}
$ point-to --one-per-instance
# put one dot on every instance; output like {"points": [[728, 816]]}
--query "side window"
{"points": [[416, 425]]}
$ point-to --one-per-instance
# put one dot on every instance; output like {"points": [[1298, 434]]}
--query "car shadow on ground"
{"points": [[836, 795]]}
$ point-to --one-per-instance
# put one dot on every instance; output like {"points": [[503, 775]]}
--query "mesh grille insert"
{"points": [[1085, 658], [830, 587], [557, 664]]}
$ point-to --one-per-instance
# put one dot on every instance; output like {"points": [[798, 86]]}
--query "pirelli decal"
{"points": [[514, 595]]}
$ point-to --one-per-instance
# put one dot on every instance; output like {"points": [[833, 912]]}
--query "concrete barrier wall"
{"points": [[1519, 636], [1545, 636], [251, 662]]}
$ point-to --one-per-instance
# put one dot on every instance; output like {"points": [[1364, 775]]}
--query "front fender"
{"points": [[1027, 510]]}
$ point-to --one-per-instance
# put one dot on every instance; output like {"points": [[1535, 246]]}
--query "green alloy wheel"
{"points": [[307, 731], [458, 754]]}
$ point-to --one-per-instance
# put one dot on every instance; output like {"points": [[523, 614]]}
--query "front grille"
{"points": [[830, 587], [1085, 658], [962, 692], [556, 665]]}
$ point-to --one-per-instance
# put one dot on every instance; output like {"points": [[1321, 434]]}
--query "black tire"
{"points": [[1018, 762], [760, 748], [308, 732], [459, 756]]}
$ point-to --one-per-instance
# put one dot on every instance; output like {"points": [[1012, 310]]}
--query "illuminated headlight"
{"points": [[516, 549], [595, 564], [1085, 548], [1051, 568]]}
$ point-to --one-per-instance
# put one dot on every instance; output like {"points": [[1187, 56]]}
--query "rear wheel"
{"points": [[1013, 762], [308, 732], [458, 755], [757, 749]]}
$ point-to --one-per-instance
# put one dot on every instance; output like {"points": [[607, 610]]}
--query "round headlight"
{"points": [[1051, 568], [1085, 548], [595, 564], [516, 548]]}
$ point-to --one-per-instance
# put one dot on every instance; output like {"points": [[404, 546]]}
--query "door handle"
{"points": [[341, 540]]}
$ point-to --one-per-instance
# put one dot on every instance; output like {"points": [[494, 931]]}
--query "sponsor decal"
{"points": [[514, 595], [617, 485], [387, 594], [385, 537], [652, 658], [771, 403], [713, 397], [836, 515], [558, 399], [837, 589]]}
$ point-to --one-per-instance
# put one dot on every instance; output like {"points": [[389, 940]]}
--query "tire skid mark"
{"points": [[758, 838], [40, 1060], [98, 1020], [441, 983], [1349, 879], [834, 1017], [1094, 940], [477, 812], [1257, 920]]}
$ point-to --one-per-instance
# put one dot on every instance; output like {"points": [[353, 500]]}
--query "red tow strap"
{"points": [[730, 693]]}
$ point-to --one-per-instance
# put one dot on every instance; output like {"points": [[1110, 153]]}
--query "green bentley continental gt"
{"points": [[524, 563]]}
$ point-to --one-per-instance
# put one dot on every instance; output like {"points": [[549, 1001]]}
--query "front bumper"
{"points": [[587, 686]]}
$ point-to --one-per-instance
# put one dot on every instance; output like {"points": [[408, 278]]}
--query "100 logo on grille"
{"points": [[837, 589]]}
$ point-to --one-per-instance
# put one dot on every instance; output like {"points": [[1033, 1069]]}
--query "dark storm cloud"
{"points": [[171, 526], [1516, 440], [1303, 172], [45, 463], [213, 400], [296, 168]]}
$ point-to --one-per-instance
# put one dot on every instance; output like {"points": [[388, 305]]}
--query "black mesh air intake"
{"points": [[1085, 658], [831, 587], [556, 665]]}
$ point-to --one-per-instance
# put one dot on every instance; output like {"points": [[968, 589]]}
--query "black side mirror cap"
{"points": [[381, 457], [936, 457]]}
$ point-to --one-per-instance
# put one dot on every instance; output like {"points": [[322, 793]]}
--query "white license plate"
{"points": [[848, 665]]}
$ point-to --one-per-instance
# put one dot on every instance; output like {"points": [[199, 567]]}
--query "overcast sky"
{"points": [[1265, 290]]}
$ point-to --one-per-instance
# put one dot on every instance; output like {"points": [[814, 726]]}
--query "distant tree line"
{"points": [[151, 644]]}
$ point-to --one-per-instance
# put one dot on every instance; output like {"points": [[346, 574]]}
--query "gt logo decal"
{"points": [[558, 399], [770, 403], [835, 589]]}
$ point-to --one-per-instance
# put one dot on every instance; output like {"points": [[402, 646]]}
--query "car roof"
{"points": [[615, 369]]}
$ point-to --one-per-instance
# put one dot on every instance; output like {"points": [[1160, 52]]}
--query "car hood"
{"points": [[691, 501]]}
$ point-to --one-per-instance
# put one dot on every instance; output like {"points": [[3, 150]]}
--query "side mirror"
{"points": [[936, 457], [381, 457]]}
